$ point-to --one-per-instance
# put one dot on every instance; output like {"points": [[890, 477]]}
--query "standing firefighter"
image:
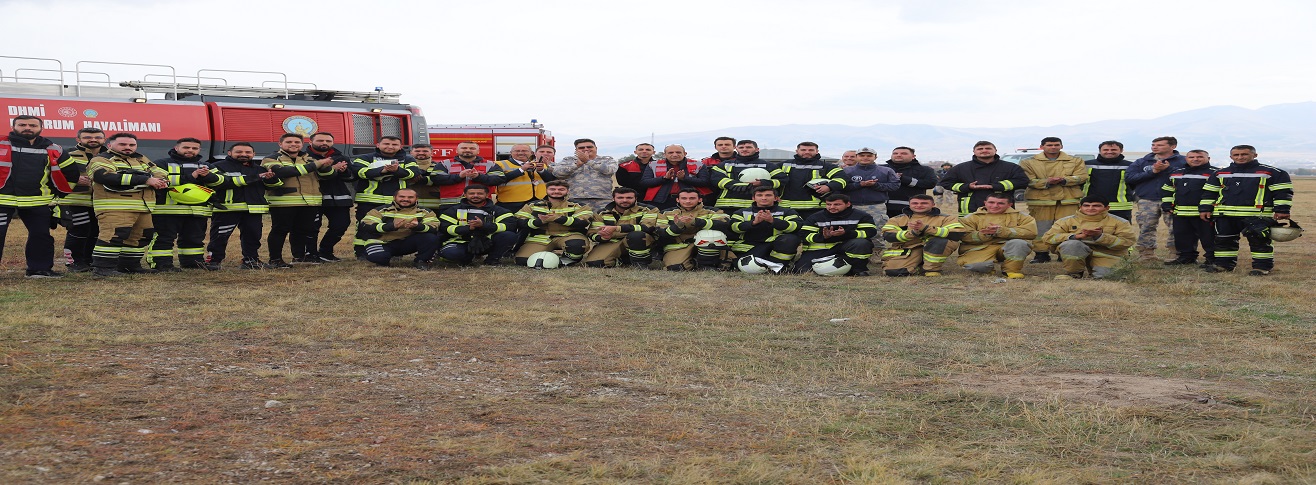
{"points": [[1055, 184], [239, 205], [75, 211], [1182, 196], [181, 212], [29, 179], [295, 203], [123, 194], [1244, 199]]}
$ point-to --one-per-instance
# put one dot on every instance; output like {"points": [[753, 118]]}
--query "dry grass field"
{"points": [[350, 374]]}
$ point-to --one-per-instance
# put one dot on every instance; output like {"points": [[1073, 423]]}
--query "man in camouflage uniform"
{"points": [[588, 174]]}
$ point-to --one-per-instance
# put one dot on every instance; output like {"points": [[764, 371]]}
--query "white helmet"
{"points": [[754, 173], [751, 265], [831, 266], [709, 238], [543, 260], [815, 183], [1286, 233]]}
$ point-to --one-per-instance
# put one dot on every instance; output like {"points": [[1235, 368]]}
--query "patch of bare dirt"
{"points": [[1110, 389]]}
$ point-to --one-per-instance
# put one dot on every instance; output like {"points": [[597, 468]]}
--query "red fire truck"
{"points": [[161, 108], [496, 140]]}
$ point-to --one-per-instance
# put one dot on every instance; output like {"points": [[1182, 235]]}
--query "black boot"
{"points": [[1041, 258]]}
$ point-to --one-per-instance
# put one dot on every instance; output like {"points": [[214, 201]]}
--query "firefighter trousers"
{"points": [[339, 218], [1189, 232], [189, 231], [684, 256], [983, 259], [40, 249], [80, 236], [638, 246], [1077, 257], [424, 245], [1229, 229], [1046, 216], [572, 246], [460, 252], [855, 251], [122, 240], [297, 224], [920, 259], [221, 228], [780, 250], [362, 210]]}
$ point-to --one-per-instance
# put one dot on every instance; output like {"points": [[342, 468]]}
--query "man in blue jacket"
{"points": [[1147, 175]]}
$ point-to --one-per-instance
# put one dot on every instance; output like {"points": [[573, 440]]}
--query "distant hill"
{"points": [[1282, 133]]}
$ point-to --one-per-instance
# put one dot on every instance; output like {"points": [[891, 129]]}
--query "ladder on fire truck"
{"points": [[80, 82]]}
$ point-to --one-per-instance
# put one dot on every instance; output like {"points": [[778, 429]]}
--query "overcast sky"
{"points": [[625, 69]]}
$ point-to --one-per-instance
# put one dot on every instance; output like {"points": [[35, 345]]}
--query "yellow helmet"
{"points": [[190, 194]]}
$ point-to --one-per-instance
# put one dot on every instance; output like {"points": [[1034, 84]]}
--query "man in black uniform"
{"points": [[915, 178], [767, 230], [982, 176], [76, 214], [1245, 199], [476, 227], [1181, 197], [840, 231], [336, 188], [181, 222]]}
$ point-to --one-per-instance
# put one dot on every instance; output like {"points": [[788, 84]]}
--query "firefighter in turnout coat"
{"points": [[997, 233], [920, 240], [838, 230], [1091, 240], [623, 224], [555, 224], [123, 194], [677, 229], [1245, 199]]}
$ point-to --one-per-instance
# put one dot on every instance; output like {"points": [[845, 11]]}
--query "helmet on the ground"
{"points": [[190, 194], [815, 183], [751, 265], [831, 266], [543, 260], [1286, 233], [709, 238], [754, 173]]}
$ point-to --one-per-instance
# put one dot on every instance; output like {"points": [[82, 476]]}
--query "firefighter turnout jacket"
{"points": [[1106, 180], [380, 225], [1185, 191], [1248, 190], [639, 217], [29, 171], [935, 224], [242, 188], [1117, 235], [73, 164], [976, 246], [119, 182], [571, 218], [856, 224], [454, 222], [373, 184], [179, 171], [300, 176], [796, 193], [1066, 192]]}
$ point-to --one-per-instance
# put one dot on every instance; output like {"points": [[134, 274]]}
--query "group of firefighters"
{"points": [[125, 213]]}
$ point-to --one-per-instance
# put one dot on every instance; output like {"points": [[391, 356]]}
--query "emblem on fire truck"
{"points": [[300, 125]]}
